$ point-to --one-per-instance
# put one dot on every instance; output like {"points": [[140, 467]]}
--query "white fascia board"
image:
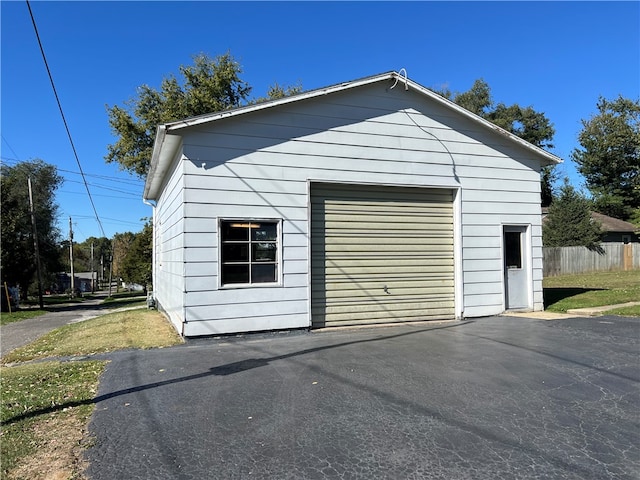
{"points": [[199, 120], [165, 148], [549, 157], [400, 82]]}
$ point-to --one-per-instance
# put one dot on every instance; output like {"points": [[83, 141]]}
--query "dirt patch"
{"points": [[60, 451]]}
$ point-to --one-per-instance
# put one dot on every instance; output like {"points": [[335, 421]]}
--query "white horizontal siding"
{"points": [[245, 324], [258, 166], [169, 236]]}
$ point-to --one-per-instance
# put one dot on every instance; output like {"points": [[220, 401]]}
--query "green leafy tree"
{"points": [[136, 264], [609, 157], [569, 222], [209, 85], [121, 243], [19, 267], [525, 122], [82, 254], [549, 177], [277, 91]]}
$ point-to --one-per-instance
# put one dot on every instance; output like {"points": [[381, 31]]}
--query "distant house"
{"points": [[371, 201], [616, 230], [82, 281]]}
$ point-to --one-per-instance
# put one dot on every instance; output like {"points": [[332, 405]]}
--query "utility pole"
{"points": [[73, 287], [35, 245], [93, 289], [110, 269]]}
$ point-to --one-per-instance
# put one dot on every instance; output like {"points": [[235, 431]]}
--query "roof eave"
{"points": [[165, 149], [548, 158]]}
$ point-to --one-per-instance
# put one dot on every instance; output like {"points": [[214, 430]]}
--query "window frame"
{"points": [[278, 263]]}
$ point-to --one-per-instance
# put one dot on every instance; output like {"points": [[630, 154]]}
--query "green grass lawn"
{"points": [[593, 290]]}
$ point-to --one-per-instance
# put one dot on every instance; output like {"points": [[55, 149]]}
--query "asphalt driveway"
{"points": [[494, 398]]}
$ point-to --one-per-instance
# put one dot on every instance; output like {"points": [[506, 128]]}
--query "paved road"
{"points": [[497, 398]]}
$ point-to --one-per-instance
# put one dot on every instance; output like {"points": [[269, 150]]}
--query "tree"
{"points": [[569, 222], [210, 85], [136, 264], [526, 123], [609, 158], [82, 255], [121, 245], [277, 91], [548, 177], [19, 267]]}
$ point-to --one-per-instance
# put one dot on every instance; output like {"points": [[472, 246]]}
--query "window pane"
{"points": [[263, 252], [513, 249], [235, 274], [263, 273], [264, 231], [235, 252], [235, 231]]}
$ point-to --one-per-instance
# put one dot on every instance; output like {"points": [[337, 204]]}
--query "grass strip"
{"points": [[19, 315], [140, 328]]}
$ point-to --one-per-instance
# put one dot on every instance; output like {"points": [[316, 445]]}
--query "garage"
{"points": [[381, 254], [353, 204]]}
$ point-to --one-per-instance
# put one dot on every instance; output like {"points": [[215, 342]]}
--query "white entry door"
{"points": [[516, 267]]}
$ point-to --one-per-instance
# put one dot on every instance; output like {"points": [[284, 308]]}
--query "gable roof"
{"points": [[610, 224], [168, 139]]}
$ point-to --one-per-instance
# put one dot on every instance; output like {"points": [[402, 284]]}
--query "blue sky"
{"points": [[558, 57]]}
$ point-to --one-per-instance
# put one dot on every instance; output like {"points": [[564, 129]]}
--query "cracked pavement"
{"points": [[493, 398]]}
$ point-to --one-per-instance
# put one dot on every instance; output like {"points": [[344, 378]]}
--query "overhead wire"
{"points": [[64, 119], [132, 182]]}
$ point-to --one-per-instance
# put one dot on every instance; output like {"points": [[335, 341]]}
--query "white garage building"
{"points": [[372, 201]]}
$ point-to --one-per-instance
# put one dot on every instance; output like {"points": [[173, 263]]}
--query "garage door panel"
{"points": [[386, 316], [400, 285], [440, 262], [381, 254]]}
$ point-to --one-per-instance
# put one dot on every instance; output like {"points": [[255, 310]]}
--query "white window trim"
{"points": [[230, 286]]}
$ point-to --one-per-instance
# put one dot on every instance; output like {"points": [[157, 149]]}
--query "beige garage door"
{"points": [[380, 254]]}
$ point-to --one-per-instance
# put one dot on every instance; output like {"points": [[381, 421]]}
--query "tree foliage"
{"points": [[525, 122], [19, 267], [136, 264], [569, 222], [609, 157], [209, 85], [121, 244], [82, 255], [276, 91]]}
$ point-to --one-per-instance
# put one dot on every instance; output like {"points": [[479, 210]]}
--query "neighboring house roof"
{"points": [[168, 138], [610, 224]]}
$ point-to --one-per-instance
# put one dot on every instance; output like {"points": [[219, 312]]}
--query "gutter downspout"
{"points": [[151, 300]]}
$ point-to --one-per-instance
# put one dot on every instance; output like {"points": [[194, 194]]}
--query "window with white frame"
{"points": [[249, 251]]}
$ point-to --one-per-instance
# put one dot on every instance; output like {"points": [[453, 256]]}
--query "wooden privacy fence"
{"points": [[611, 256]]}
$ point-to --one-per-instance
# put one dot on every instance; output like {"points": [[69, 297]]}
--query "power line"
{"points": [[109, 178], [64, 120], [12, 150]]}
